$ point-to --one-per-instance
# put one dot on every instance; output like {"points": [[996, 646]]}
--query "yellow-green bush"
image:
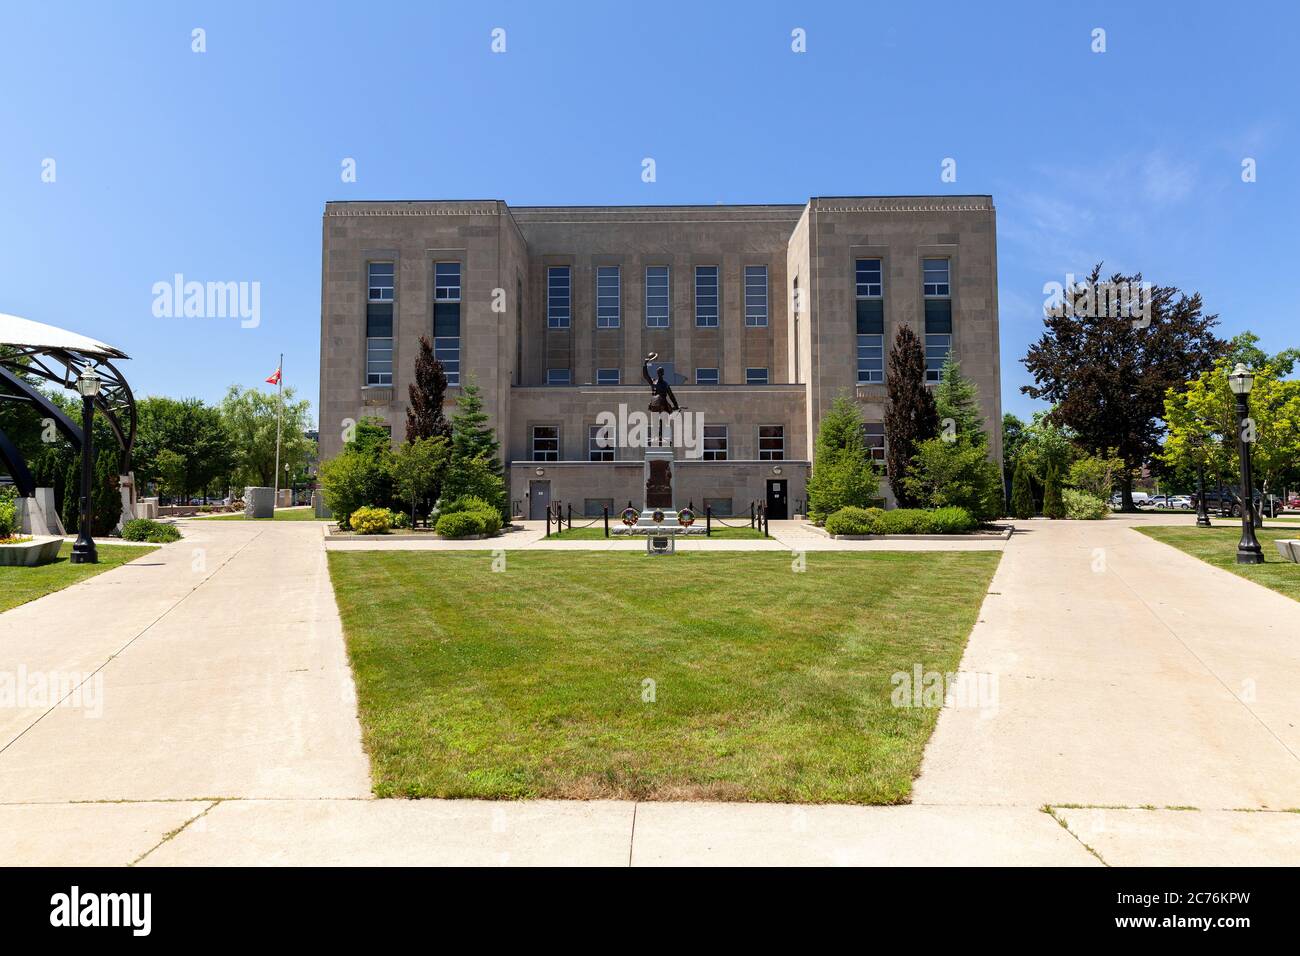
{"points": [[371, 520]]}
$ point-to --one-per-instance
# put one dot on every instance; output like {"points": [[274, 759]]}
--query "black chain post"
{"points": [[605, 512], [708, 521]]}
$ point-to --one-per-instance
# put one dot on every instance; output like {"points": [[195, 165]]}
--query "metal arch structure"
{"points": [[57, 357]]}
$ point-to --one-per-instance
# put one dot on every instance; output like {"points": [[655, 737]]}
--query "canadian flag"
{"points": [[275, 378]]}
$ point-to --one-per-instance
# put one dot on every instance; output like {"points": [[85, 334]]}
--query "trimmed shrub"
{"points": [[852, 520], [466, 503], [460, 524], [146, 529], [951, 521], [371, 520], [1082, 506]]}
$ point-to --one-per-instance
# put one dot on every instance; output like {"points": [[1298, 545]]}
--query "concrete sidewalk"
{"points": [[1129, 675]]}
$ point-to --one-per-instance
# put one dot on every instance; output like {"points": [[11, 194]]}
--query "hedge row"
{"points": [[901, 521]]}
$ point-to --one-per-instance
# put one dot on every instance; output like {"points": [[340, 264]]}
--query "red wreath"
{"points": [[630, 516]]}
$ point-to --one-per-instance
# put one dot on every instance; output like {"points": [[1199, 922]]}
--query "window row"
{"points": [[613, 376], [658, 297], [601, 445], [379, 321], [936, 290]]}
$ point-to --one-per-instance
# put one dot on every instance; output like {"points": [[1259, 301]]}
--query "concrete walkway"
{"points": [[1129, 675]]}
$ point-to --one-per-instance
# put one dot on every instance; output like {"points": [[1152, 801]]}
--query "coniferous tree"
{"points": [[1022, 491], [910, 413], [957, 398], [471, 435], [424, 414], [1053, 504]]}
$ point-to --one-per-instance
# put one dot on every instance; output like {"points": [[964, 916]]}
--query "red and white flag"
{"points": [[275, 378]]}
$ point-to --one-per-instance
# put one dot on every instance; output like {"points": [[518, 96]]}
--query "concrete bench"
{"points": [[1289, 549]]}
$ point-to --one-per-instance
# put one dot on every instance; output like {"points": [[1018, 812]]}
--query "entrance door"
{"points": [[539, 499], [776, 501]]}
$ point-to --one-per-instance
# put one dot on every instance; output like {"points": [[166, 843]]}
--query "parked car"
{"points": [[1229, 502], [1181, 502]]}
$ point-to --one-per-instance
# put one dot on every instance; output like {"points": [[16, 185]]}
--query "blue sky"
{"points": [[216, 165]]}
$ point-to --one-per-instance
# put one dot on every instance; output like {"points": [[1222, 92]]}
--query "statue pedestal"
{"points": [[659, 491]]}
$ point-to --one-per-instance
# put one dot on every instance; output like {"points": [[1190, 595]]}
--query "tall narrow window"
{"points": [[715, 442], [558, 376], [706, 297], [873, 434], [656, 297], [600, 443], [755, 296], [609, 297], [379, 324], [938, 316], [870, 321], [755, 376], [771, 442], [546, 443], [559, 301], [446, 318], [706, 376], [607, 376]]}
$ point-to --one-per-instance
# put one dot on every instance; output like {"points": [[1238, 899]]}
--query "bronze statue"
{"points": [[662, 401]]}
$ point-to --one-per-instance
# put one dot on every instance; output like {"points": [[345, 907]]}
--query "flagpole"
{"points": [[279, 414]]}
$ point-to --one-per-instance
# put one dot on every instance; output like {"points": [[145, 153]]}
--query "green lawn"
{"points": [[770, 685], [597, 532], [20, 585], [281, 514], [1218, 546]]}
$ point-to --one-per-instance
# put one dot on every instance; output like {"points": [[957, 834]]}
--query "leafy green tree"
{"points": [[1046, 445], [1022, 491], [1201, 418], [424, 414], [1013, 435], [955, 473], [910, 413], [956, 398], [1107, 375], [1053, 504], [1096, 475], [349, 481], [476, 477], [842, 473], [249, 416], [181, 443], [417, 468]]}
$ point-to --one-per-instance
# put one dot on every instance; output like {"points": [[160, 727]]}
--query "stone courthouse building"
{"points": [[761, 316]]}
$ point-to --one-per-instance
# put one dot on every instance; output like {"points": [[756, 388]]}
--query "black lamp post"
{"points": [[83, 549], [1240, 380], [1198, 449]]}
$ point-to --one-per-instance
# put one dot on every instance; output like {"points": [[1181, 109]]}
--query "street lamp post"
{"points": [[83, 549], [1240, 380], [1202, 515]]}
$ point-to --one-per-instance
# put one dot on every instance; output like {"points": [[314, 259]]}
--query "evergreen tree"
{"points": [[424, 415], [957, 398], [471, 435], [842, 472], [910, 413], [1053, 505], [1022, 491]]}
